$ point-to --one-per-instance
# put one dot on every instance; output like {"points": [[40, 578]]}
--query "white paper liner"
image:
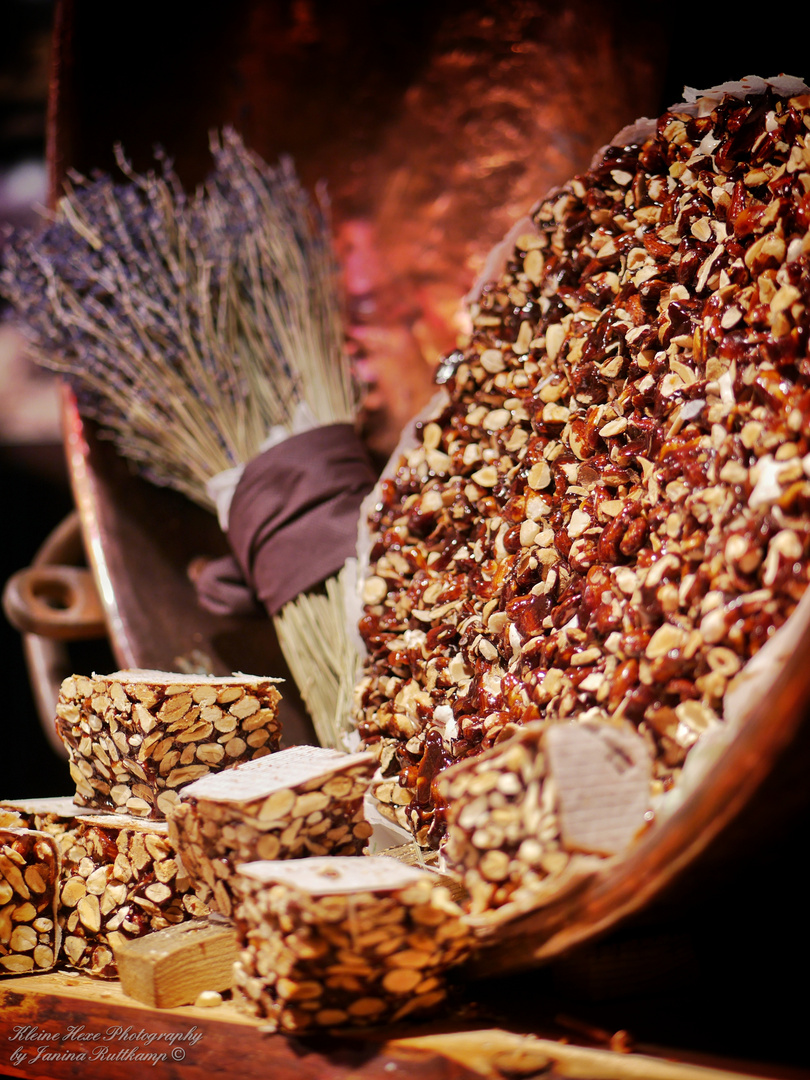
{"points": [[386, 834], [123, 821], [335, 875], [601, 774], [176, 678], [57, 806], [261, 776]]}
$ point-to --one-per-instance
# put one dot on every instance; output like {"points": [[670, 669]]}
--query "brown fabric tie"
{"points": [[293, 521]]}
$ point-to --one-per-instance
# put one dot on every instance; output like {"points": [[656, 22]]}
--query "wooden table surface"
{"points": [[65, 1025]]}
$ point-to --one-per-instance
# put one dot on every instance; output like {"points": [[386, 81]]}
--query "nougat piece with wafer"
{"points": [[550, 802], [55, 815], [302, 801], [135, 738], [334, 942], [121, 878], [29, 887]]}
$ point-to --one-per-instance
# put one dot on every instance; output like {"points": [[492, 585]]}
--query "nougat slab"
{"points": [[541, 806], [334, 942], [121, 878], [135, 738], [29, 885], [303, 801]]}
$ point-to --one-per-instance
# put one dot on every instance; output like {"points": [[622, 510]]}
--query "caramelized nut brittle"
{"points": [[29, 886], [121, 878], [608, 514], [303, 801]]}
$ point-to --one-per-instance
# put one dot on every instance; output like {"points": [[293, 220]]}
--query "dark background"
{"points": [[34, 489]]}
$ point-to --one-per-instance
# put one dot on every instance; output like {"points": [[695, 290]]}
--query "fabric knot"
{"points": [[293, 521]]}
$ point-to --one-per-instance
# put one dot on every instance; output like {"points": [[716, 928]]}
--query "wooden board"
{"points": [[86, 1017], [62, 1025]]}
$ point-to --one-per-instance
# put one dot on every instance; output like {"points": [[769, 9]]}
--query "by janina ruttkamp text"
{"points": [[115, 1043]]}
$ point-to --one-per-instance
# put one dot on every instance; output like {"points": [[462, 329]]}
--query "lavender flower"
{"points": [[187, 325]]}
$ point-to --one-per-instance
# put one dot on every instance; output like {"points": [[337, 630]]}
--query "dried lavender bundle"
{"points": [[202, 331], [216, 313]]}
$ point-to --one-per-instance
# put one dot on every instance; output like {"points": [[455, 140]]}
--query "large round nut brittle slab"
{"points": [[607, 513], [134, 738]]}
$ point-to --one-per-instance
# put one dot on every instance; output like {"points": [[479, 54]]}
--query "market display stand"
{"points": [[62, 1025], [757, 803]]}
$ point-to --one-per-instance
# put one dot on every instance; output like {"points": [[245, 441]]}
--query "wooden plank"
{"points": [[62, 1025], [59, 1026], [172, 966], [510, 1054]]}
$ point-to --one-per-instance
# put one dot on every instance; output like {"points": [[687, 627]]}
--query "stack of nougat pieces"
{"points": [[211, 803], [79, 873]]}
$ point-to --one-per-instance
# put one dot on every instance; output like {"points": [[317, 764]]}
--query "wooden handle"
{"points": [[56, 602]]}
